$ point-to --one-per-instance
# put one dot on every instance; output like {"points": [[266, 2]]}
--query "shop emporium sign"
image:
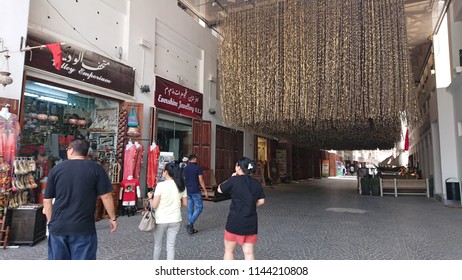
{"points": [[178, 99], [80, 64]]}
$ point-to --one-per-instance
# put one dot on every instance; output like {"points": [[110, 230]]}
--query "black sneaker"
{"points": [[189, 228], [193, 231]]}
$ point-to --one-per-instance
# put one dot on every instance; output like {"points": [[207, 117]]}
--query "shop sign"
{"points": [[178, 99], [80, 64]]}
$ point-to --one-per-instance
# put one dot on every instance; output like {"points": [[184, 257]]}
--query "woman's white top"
{"points": [[168, 210]]}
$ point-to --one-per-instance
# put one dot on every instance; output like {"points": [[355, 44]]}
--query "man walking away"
{"points": [[194, 183], [75, 185]]}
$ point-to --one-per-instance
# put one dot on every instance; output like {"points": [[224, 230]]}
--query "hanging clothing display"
{"points": [[138, 160], [43, 167], [9, 132], [129, 159], [153, 165]]}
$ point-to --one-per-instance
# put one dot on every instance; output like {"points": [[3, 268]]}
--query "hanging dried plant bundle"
{"points": [[320, 73]]}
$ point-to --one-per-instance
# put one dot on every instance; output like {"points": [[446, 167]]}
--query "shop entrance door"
{"points": [[229, 149], [201, 131]]}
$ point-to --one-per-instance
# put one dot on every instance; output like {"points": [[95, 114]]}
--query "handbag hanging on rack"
{"points": [[148, 222], [132, 118]]}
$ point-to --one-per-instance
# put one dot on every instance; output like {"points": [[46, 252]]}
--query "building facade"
{"points": [[158, 40]]}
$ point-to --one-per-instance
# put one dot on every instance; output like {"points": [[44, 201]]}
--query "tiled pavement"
{"points": [[312, 220]]}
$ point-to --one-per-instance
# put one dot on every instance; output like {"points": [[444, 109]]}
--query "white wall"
{"points": [[13, 26], [91, 24], [446, 142], [447, 134], [442, 55], [455, 88], [181, 48], [455, 38]]}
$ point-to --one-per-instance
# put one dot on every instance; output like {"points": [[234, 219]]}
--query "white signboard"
{"points": [[164, 158]]}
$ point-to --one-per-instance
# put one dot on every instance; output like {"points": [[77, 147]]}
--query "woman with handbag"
{"points": [[167, 200]]}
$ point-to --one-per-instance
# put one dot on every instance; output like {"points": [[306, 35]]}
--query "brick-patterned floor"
{"points": [[311, 220]]}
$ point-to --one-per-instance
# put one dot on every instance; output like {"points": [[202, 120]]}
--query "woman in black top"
{"points": [[242, 223]]}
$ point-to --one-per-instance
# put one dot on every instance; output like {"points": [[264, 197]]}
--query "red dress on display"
{"points": [[129, 160], [138, 160], [129, 189], [153, 165]]}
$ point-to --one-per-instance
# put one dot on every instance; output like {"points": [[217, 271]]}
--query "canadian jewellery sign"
{"points": [[178, 99], [83, 65]]}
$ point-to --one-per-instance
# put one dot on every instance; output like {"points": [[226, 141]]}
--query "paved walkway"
{"points": [[312, 220]]}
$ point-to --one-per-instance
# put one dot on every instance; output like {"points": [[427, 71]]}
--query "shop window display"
{"points": [[176, 137], [9, 132], [54, 116], [51, 117]]}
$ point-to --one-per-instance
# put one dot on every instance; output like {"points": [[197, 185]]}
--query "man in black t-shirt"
{"points": [[75, 185]]}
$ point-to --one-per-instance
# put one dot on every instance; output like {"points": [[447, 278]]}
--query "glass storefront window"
{"points": [[175, 135], [54, 116]]}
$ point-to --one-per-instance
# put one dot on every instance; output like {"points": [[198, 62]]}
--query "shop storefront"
{"points": [[174, 134], [53, 116], [177, 125], [275, 159], [68, 92]]}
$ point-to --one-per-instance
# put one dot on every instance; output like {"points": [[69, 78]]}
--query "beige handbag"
{"points": [[148, 222]]}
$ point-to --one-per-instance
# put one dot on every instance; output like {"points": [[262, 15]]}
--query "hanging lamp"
{"points": [[5, 78]]}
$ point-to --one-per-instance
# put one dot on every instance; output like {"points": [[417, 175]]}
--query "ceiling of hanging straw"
{"points": [[331, 74]]}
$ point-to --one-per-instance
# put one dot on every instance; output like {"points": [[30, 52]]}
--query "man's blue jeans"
{"points": [[195, 206], [72, 247]]}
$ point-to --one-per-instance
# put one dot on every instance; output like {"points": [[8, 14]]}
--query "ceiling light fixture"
{"points": [[51, 99], [56, 88], [31, 94]]}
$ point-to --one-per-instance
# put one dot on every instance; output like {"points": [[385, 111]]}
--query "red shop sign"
{"points": [[178, 99]]}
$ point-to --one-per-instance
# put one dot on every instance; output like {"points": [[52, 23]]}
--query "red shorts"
{"points": [[241, 239]]}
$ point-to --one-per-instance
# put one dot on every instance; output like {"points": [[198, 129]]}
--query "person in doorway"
{"points": [[242, 223], [194, 183], [352, 169], [167, 200], [184, 162], [75, 185]]}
